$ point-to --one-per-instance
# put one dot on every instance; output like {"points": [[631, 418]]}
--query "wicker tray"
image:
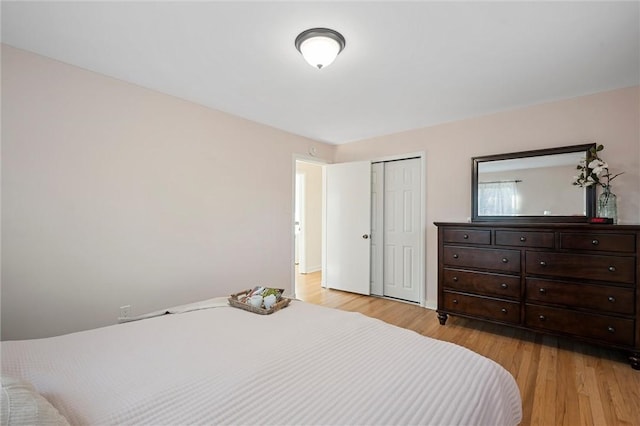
{"points": [[233, 301]]}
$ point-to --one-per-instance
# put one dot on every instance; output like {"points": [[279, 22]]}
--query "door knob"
{"points": [[365, 236]]}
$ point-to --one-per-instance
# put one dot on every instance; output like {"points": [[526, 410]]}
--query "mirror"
{"points": [[534, 186]]}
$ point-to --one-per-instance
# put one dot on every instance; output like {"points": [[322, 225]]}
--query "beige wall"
{"points": [[113, 194], [611, 118]]}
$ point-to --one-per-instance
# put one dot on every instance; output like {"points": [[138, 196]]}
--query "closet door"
{"points": [[377, 228], [402, 229], [347, 189]]}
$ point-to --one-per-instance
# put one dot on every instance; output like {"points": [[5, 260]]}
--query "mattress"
{"points": [[305, 364]]}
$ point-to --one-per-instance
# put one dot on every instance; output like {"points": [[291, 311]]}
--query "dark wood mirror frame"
{"points": [[590, 192]]}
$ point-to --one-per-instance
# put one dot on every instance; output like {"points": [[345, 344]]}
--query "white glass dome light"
{"points": [[320, 46]]}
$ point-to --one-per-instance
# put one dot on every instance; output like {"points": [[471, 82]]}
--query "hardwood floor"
{"points": [[562, 382]]}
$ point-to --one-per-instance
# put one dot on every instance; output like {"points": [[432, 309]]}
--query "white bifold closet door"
{"points": [[401, 230], [373, 228], [377, 229]]}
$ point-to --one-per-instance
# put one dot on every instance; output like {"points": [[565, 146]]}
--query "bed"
{"points": [[209, 363]]}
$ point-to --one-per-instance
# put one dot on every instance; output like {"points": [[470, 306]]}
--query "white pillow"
{"points": [[22, 405]]}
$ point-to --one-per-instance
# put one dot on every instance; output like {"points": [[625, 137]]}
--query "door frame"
{"points": [[299, 253], [422, 155], [292, 260]]}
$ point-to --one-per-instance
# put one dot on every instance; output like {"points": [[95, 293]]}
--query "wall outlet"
{"points": [[125, 311]]}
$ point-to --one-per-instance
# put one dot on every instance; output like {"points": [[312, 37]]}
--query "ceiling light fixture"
{"points": [[320, 46]]}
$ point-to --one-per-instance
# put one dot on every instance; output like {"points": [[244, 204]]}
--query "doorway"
{"points": [[307, 221]]}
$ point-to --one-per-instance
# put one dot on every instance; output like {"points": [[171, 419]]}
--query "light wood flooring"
{"points": [[562, 382]]}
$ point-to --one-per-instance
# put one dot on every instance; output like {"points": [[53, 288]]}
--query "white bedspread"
{"points": [[302, 365]]}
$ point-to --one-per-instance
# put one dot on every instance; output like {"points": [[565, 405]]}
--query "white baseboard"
{"points": [[430, 304], [312, 269]]}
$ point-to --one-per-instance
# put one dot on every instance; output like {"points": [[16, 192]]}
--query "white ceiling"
{"points": [[406, 65]]}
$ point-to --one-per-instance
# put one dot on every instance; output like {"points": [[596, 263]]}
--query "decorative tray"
{"points": [[236, 303]]}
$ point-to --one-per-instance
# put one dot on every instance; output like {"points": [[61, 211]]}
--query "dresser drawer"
{"points": [[624, 243], [471, 236], [482, 283], [494, 309], [471, 257], [605, 299], [617, 269], [525, 239], [598, 327]]}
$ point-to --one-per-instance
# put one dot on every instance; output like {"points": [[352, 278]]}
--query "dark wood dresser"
{"points": [[574, 280]]}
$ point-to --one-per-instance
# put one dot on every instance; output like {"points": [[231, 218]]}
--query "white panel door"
{"points": [[347, 226], [377, 228], [402, 218]]}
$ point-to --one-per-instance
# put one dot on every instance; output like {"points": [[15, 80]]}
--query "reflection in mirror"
{"points": [[531, 185]]}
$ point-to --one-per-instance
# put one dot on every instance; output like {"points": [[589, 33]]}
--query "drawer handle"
{"points": [[611, 299], [612, 268], [455, 301], [543, 263], [523, 239], [503, 310], [543, 291], [465, 236], [542, 318], [455, 279], [595, 242], [611, 329], [503, 285], [505, 260], [455, 256]]}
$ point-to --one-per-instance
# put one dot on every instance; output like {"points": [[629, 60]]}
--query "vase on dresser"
{"points": [[608, 204]]}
